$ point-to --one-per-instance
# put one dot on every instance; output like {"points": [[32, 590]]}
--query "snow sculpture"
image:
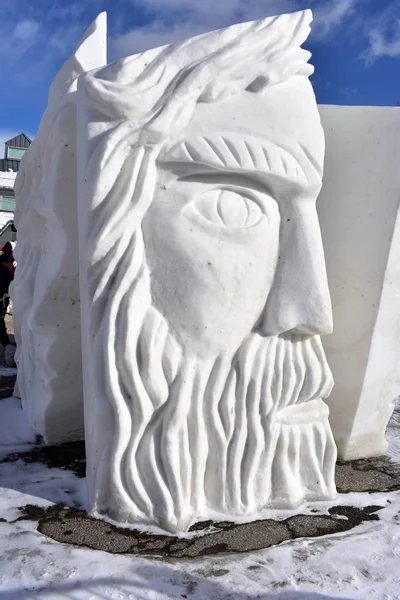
{"points": [[203, 284], [358, 209], [46, 287]]}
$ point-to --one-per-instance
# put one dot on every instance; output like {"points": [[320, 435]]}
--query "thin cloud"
{"points": [[331, 14], [173, 20], [42, 38], [45, 37], [26, 30], [20, 37], [383, 34]]}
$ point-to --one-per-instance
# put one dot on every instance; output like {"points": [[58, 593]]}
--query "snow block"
{"points": [[45, 292], [358, 211], [203, 283]]}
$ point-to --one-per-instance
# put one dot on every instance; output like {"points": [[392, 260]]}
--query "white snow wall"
{"points": [[358, 212], [46, 287]]}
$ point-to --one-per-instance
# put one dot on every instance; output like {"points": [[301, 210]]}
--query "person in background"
{"points": [[6, 277], [8, 249]]}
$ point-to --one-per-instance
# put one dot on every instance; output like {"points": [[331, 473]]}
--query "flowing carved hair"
{"points": [[131, 108], [146, 99]]}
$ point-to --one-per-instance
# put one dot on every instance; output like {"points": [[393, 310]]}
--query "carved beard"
{"points": [[219, 435]]}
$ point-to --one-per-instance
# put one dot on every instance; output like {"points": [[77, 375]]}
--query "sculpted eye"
{"points": [[227, 207]]}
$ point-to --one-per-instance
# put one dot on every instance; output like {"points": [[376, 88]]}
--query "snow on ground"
{"points": [[363, 563], [7, 372], [15, 429]]}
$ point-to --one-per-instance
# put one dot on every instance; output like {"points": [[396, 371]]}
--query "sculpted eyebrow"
{"points": [[229, 153]]}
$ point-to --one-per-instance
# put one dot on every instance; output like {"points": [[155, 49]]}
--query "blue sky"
{"points": [[355, 44]]}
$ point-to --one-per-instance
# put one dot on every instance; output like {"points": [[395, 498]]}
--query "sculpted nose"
{"points": [[299, 301]]}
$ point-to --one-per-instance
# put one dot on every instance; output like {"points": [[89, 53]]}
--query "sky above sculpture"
{"points": [[355, 44]]}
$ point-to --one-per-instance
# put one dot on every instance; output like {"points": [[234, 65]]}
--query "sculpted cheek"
{"points": [[203, 278]]}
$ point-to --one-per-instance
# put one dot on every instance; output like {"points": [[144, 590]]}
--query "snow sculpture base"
{"points": [[203, 284], [358, 210], [45, 292]]}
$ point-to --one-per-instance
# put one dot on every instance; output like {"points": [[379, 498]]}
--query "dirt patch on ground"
{"points": [[75, 527], [70, 457], [72, 526], [378, 474]]}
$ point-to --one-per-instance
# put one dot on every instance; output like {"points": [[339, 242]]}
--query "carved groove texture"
{"points": [[169, 435]]}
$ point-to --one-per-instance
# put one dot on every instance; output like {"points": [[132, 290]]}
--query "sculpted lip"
{"points": [[306, 412]]}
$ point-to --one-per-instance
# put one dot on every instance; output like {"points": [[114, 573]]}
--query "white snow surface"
{"points": [[15, 429], [7, 179], [363, 563]]}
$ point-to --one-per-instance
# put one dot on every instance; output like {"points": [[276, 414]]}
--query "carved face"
{"points": [[232, 236], [204, 363]]}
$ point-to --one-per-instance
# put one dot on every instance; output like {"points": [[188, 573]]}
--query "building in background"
{"points": [[14, 151], [9, 165], [7, 207]]}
